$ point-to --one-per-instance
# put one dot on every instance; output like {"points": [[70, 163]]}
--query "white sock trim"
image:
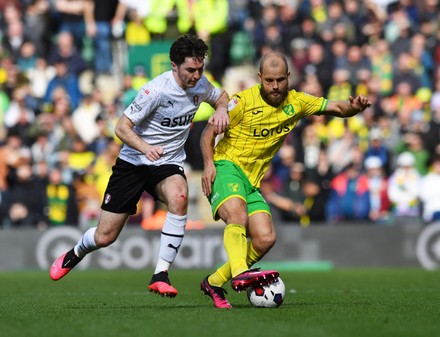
{"points": [[86, 244]]}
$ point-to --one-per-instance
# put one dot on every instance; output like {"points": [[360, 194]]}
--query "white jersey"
{"points": [[162, 113]]}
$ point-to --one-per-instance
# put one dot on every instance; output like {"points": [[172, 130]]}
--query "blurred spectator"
{"points": [[211, 20], [19, 116], [320, 65], [299, 55], [378, 188], [422, 60], [84, 119], [289, 201], [99, 16], [398, 30], [338, 22], [24, 208], [88, 199], [341, 150], [319, 12], [39, 78], [36, 16], [136, 33], [341, 87], [403, 98], [70, 16], [311, 147], [362, 83], [65, 50], [14, 39], [267, 29], [61, 200], [290, 19], [63, 135], [314, 203], [432, 135], [271, 184], [404, 188], [302, 202], [79, 158], [65, 80], [413, 143], [382, 65], [404, 71], [377, 149], [283, 161], [355, 11], [356, 62], [27, 58], [430, 192], [349, 197], [12, 154], [339, 50], [101, 141], [308, 30], [322, 174], [42, 148], [103, 166], [156, 20]]}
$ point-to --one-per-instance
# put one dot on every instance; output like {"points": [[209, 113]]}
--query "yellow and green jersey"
{"points": [[257, 130]]}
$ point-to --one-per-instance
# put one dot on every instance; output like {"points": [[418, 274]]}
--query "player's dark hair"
{"points": [[188, 46]]}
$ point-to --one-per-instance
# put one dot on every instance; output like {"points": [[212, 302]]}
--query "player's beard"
{"points": [[274, 101]]}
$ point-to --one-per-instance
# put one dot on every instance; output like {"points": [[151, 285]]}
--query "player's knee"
{"points": [[104, 240], [178, 204], [238, 219], [264, 242]]}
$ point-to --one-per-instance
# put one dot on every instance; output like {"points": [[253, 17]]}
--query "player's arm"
{"points": [[220, 118], [207, 141], [346, 108], [124, 131]]}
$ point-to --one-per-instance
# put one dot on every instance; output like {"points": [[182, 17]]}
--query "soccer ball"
{"points": [[267, 296]]}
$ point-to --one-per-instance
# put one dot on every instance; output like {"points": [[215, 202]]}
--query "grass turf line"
{"points": [[339, 303]]}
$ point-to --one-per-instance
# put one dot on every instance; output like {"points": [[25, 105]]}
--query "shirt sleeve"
{"points": [[146, 101]]}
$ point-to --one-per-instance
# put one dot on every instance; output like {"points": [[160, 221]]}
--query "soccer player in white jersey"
{"points": [[154, 129]]}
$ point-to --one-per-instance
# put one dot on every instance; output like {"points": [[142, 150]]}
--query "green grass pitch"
{"points": [[339, 303]]}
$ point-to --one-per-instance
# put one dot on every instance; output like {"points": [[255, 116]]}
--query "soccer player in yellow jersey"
{"points": [[260, 119]]}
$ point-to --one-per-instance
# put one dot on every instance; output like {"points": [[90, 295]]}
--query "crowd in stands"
{"points": [[61, 93]]}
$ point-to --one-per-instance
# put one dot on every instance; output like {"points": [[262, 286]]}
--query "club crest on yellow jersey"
{"points": [[289, 110]]}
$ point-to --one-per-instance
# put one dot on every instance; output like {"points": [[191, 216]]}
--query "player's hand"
{"points": [[154, 152], [359, 104], [220, 121], [208, 177]]}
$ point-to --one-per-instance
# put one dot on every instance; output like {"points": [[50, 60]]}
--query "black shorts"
{"points": [[128, 182]]}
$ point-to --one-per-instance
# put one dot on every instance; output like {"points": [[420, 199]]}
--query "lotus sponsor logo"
{"points": [[279, 130]]}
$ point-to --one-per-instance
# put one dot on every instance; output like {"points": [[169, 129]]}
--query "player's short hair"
{"points": [[273, 58], [188, 46]]}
